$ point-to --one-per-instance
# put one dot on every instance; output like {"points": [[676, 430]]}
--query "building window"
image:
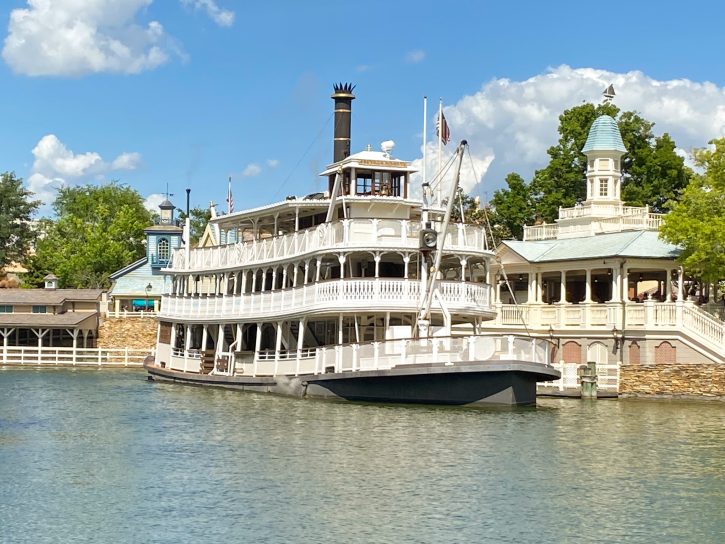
{"points": [[665, 353], [572, 353], [163, 249], [603, 164], [40, 309], [6, 309], [603, 186]]}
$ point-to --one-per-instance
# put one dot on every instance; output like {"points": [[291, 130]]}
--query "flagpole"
{"points": [[425, 157], [440, 147]]}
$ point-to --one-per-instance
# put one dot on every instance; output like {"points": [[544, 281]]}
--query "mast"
{"points": [[424, 315]]}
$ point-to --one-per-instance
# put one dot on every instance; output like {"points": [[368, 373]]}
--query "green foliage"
{"points": [[98, 230], [562, 181], [199, 218], [697, 220], [513, 207], [652, 172], [16, 209]]}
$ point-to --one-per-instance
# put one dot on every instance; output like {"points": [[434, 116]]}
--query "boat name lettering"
{"points": [[394, 164]]}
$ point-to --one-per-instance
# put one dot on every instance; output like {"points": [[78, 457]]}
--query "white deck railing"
{"points": [[381, 355], [347, 294], [93, 357], [346, 234]]}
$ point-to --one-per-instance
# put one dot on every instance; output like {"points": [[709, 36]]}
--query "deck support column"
{"points": [[277, 347], [588, 286], [300, 343], [257, 347]]}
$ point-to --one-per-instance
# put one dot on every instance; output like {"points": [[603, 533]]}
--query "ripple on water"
{"points": [[105, 456]]}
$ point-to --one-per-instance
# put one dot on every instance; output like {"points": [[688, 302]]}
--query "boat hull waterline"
{"points": [[511, 383]]}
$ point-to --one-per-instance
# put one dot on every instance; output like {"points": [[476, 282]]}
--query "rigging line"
{"points": [[314, 140], [438, 178], [519, 310]]}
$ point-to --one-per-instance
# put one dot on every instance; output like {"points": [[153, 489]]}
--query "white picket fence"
{"points": [[88, 357]]}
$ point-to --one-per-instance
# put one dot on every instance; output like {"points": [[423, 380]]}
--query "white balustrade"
{"points": [[649, 315]]}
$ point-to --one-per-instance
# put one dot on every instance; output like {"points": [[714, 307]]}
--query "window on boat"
{"points": [[364, 183]]}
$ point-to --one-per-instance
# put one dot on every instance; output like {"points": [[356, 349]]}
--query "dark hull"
{"points": [[501, 383]]}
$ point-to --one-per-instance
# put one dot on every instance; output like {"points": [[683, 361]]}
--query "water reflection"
{"points": [[107, 457]]}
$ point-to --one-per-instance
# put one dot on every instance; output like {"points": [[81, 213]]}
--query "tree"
{"points": [[697, 221], [652, 172], [513, 207], [98, 230], [199, 218], [16, 209]]}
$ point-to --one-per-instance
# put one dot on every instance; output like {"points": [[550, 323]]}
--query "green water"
{"points": [[105, 456]]}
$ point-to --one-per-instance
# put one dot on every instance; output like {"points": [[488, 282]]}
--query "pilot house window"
{"points": [[364, 185]]}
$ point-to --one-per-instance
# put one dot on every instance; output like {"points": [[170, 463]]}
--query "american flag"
{"points": [[445, 134], [230, 198]]}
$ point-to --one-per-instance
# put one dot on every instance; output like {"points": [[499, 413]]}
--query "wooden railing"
{"points": [[90, 357]]}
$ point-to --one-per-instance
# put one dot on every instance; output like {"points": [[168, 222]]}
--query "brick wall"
{"points": [[133, 333], [673, 380]]}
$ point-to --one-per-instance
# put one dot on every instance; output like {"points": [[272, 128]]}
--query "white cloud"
{"points": [[251, 169], [415, 56], [272, 163], [126, 161], [222, 17], [153, 200], [510, 124], [56, 166], [73, 38]]}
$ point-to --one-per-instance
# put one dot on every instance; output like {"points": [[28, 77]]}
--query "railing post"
{"points": [[99, 356], [125, 357], [376, 345]]}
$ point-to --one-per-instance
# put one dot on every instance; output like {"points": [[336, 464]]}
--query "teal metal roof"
{"points": [[641, 243], [604, 136]]}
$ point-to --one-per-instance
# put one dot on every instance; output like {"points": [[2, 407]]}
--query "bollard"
{"points": [[588, 380]]}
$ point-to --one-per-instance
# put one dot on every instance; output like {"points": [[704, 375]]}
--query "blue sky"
{"points": [[189, 92]]}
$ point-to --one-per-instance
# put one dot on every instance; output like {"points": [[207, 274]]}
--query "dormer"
{"points": [[51, 281], [604, 149]]}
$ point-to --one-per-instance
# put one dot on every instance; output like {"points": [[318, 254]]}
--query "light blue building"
{"points": [[139, 286]]}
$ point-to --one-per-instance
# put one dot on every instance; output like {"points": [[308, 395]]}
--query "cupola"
{"points": [[604, 149], [167, 212]]}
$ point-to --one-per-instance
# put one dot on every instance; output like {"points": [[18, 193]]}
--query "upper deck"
{"points": [[349, 234]]}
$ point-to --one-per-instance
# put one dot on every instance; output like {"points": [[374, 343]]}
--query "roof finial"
{"points": [[608, 94]]}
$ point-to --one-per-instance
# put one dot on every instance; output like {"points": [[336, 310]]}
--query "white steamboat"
{"points": [[362, 293]]}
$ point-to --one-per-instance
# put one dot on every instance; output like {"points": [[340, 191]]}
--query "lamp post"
{"points": [[149, 287], [617, 340]]}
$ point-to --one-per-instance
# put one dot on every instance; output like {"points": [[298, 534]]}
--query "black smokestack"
{"points": [[343, 98]]}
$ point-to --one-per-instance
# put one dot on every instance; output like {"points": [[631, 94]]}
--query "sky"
{"points": [[186, 93]]}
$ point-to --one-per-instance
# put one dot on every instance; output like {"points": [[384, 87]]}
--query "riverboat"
{"points": [[362, 293]]}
